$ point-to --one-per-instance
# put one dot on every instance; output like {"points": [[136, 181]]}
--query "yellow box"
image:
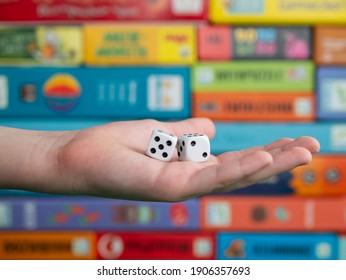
{"points": [[118, 44], [135, 44], [68, 41], [177, 45], [278, 11]]}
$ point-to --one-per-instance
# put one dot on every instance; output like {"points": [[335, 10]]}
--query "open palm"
{"points": [[110, 161]]}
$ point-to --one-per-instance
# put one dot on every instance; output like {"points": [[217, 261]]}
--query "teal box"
{"points": [[273, 246], [238, 136], [122, 92], [228, 137], [342, 247]]}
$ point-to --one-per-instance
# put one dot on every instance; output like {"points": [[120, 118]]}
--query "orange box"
{"points": [[324, 175], [273, 213], [330, 45], [254, 107], [253, 213], [47, 245], [214, 42]]}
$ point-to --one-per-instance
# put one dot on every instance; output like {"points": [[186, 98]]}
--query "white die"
{"points": [[161, 145], [194, 147]]}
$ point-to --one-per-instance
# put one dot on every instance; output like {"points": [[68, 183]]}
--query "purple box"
{"points": [[65, 213]]}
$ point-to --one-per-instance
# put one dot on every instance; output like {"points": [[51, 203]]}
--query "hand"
{"points": [[110, 161]]}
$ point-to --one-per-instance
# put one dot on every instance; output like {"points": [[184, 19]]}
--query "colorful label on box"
{"points": [[41, 45], [272, 246], [331, 93], [54, 213], [271, 42], [278, 11], [330, 45], [95, 92], [93, 10], [256, 76], [254, 42], [47, 245], [254, 107], [155, 245], [133, 44]]}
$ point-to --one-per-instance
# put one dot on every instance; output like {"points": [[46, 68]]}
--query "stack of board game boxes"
{"points": [[260, 69]]}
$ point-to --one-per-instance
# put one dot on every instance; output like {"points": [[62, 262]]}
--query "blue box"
{"points": [[275, 185], [331, 93], [273, 246], [238, 136], [123, 92], [43, 213]]}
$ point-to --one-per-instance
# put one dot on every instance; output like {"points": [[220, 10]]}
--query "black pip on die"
{"points": [[161, 145], [193, 147]]}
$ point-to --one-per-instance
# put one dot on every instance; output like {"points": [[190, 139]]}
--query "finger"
{"points": [[276, 145], [217, 176], [310, 143], [283, 161], [192, 125]]}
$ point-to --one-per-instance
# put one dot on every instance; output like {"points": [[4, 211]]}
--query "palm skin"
{"points": [[110, 161]]}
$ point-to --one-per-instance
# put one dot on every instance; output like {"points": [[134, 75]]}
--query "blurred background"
{"points": [[260, 69]]}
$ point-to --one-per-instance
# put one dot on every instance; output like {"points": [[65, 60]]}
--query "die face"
{"points": [[193, 147], [161, 145], [181, 149]]}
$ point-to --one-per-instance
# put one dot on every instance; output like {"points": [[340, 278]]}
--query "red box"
{"points": [[94, 10], [155, 245], [328, 214], [214, 42]]}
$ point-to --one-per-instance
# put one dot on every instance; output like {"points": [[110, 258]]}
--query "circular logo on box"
{"points": [[179, 215], [110, 246], [62, 92]]}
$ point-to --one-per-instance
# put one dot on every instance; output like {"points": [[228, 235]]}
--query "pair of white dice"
{"points": [[193, 146]]}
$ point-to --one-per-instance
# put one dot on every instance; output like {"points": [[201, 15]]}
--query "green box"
{"points": [[45, 45], [254, 76]]}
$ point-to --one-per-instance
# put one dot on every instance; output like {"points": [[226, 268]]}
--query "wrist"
{"points": [[31, 160]]}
